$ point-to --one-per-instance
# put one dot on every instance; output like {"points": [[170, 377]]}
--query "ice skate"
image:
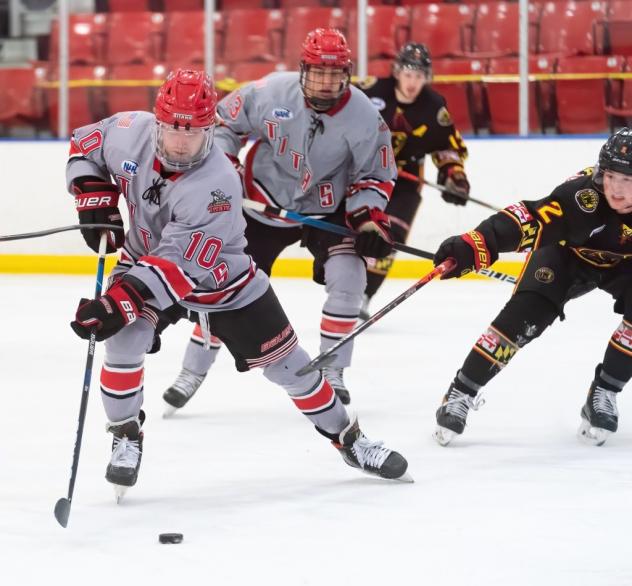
{"points": [[334, 376], [127, 451], [181, 391], [364, 310], [371, 457], [600, 416], [452, 415]]}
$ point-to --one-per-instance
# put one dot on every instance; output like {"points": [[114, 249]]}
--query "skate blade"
{"points": [[169, 411], [119, 492], [594, 436], [443, 436], [406, 477]]}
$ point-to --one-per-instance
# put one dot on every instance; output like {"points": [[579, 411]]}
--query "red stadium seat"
{"points": [[241, 4], [86, 38], [189, 47], [581, 103], [127, 5], [387, 30], [122, 99], [496, 29], [86, 104], [299, 21], [568, 28], [135, 37], [16, 97], [503, 97], [441, 27], [250, 71], [380, 67], [253, 35], [618, 28], [462, 97], [183, 5], [291, 4]]}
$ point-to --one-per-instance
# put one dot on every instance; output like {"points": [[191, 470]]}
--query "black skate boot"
{"points": [[334, 376], [599, 414], [127, 451], [452, 414], [364, 310], [371, 457], [179, 393]]}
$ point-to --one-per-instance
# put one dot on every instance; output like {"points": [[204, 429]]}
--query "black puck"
{"points": [[170, 538]]}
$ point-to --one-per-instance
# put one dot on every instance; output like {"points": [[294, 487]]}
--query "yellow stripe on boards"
{"points": [[284, 267]]}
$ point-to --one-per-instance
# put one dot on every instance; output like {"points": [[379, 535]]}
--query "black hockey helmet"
{"points": [[616, 154], [414, 56]]}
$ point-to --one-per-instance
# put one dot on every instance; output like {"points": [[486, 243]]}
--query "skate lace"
{"points": [[369, 453], [126, 452], [334, 376], [459, 403], [605, 402], [187, 382]]}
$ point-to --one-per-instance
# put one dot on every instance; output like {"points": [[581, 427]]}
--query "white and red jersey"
{"points": [[185, 240], [303, 160]]}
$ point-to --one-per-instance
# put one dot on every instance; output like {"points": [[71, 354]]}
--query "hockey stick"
{"points": [[411, 177], [62, 507], [328, 356], [329, 227], [56, 230]]}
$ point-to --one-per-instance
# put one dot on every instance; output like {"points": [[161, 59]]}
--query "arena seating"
{"points": [[299, 21], [442, 27]]}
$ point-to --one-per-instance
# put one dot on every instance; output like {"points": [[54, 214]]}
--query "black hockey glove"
{"points": [[96, 201], [453, 178], [374, 237], [119, 307], [469, 251]]}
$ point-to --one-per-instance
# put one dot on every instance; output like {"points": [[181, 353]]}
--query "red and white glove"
{"points": [[96, 201], [374, 237], [119, 307]]}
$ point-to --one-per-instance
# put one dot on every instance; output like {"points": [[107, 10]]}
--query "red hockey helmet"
{"points": [[325, 49], [187, 98], [326, 46], [185, 119]]}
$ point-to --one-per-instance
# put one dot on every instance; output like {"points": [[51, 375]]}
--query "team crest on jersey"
{"points": [[443, 117], [282, 114], [545, 275], [626, 234], [220, 202], [379, 103], [367, 82], [587, 200], [130, 167]]}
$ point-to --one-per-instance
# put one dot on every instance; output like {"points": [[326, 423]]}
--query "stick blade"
{"points": [[62, 511], [316, 364]]}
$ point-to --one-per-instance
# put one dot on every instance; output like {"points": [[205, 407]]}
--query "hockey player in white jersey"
{"points": [[321, 149], [184, 250]]}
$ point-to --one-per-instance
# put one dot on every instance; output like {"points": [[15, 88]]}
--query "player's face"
{"points": [[182, 145], [324, 83], [410, 82], [617, 188]]}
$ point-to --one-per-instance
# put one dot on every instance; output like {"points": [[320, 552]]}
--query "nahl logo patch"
{"points": [[130, 167], [282, 114], [587, 200], [220, 202]]}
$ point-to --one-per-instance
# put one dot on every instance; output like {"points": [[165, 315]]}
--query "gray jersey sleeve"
{"points": [[373, 171], [237, 112], [87, 151]]}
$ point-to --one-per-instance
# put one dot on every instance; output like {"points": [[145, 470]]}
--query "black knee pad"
{"points": [[525, 316]]}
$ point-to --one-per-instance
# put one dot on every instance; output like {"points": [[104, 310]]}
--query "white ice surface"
{"points": [[262, 499]]}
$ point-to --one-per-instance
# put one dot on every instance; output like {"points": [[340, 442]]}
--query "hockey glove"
{"points": [[453, 178], [469, 251], [97, 203], [119, 307], [374, 237]]}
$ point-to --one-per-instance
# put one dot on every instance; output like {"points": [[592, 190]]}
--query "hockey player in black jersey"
{"points": [[580, 238], [420, 124]]}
